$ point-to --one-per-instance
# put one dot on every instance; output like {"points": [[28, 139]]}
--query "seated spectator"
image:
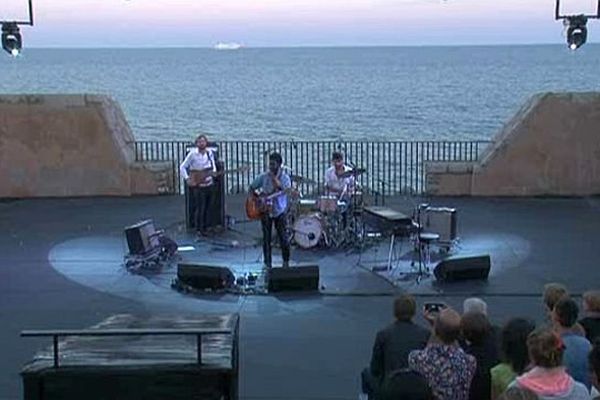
{"points": [[446, 367], [591, 309], [515, 358], [475, 304], [479, 342], [553, 292], [594, 360], [406, 385], [564, 318], [548, 379], [393, 344], [515, 393]]}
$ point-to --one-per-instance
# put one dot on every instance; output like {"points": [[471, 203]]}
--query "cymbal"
{"points": [[300, 180], [352, 172]]}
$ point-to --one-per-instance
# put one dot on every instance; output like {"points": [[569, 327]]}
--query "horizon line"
{"points": [[340, 46]]}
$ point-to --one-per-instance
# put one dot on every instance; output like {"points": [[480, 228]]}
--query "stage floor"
{"points": [[61, 267]]}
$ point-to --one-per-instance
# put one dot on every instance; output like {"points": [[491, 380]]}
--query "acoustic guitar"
{"points": [[198, 176], [259, 205]]}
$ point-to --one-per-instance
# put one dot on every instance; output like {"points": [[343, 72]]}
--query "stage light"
{"points": [[576, 31], [12, 41]]}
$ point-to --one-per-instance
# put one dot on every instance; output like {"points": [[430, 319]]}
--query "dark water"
{"points": [[424, 93]]}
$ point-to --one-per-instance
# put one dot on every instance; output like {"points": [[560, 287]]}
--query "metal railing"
{"points": [[395, 167], [55, 334]]}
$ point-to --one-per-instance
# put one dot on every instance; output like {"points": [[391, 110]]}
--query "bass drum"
{"points": [[308, 230]]}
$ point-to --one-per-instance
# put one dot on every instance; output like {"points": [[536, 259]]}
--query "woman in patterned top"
{"points": [[446, 367]]}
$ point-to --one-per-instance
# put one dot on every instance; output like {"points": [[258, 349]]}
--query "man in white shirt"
{"points": [[335, 183], [196, 170]]}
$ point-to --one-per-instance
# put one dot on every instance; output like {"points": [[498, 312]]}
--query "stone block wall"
{"points": [[71, 145]]}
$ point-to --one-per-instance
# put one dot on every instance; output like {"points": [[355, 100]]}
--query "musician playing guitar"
{"points": [[275, 184], [200, 163]]}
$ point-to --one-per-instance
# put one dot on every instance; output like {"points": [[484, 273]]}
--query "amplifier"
{"points": [[441, 220], [141, 237]]}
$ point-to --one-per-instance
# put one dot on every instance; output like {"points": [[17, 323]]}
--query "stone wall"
{"points": [[71, 145], [550, 147]]}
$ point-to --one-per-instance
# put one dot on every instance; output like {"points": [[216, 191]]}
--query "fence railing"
{"points": [[391, 167], [56, 334]]}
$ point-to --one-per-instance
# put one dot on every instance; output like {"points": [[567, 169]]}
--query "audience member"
{"points": [[564, 318], [393, 344], [479, 342], [591, 309], [553, 292], [594, 361], [446, 367], [515, 393], [548, 379], [475, 304], [515, 358], [406, 385]]}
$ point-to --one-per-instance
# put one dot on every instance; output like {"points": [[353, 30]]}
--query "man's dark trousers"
{"points": [[203, 198], [267, 228]]}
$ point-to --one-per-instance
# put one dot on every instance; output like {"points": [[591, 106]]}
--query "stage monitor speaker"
{"points": [[463, 268], [141, 237], [301, 278], [205, 276]]}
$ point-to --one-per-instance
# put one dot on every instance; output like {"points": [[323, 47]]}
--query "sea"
{"points": [[346, 93]]}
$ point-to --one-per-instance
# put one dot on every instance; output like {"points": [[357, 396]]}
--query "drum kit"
{"points": [[326, 221]]}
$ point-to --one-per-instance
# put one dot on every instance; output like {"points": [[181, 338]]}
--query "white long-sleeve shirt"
{"points": [[196, 161]]}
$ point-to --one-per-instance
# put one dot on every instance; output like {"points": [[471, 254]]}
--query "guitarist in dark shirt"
{"points": [[274, 184]]}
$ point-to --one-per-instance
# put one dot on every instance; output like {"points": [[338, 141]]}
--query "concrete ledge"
{"points": [[71, 145], [550, 147], [448, 178]]}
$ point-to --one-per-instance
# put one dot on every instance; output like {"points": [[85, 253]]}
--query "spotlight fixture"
{"points": [[576, 26], [12, 41], [576, 31]]}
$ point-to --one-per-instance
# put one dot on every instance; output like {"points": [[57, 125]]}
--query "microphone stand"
{"points": [[420, 272]]}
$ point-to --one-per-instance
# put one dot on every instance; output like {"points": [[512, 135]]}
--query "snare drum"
{"points": [[308, 230]]}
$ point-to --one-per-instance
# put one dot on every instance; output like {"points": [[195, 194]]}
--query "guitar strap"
{"points": [[275, 190]]}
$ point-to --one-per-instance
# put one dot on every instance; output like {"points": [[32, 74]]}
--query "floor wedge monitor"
{"points": [[301, 278], [205, 276], [463, 268]]}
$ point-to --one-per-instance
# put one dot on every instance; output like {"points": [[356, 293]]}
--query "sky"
{"points": [[282, 23]]}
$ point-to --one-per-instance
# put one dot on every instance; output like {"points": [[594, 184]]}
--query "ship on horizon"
{"points": [[227, 46]]}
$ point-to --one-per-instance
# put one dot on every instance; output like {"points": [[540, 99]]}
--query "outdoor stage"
{"points": [[62, 267], [373, 268]]}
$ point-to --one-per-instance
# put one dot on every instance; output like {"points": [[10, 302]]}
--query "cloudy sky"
{"points": [[258, 23]]}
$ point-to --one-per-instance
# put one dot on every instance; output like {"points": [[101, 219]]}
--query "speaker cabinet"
{"points": [[303, 278], [141, 237], [463, 268], [205, 276]]}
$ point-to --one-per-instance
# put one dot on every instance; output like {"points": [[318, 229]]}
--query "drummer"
{"points": [[339, 181]]}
